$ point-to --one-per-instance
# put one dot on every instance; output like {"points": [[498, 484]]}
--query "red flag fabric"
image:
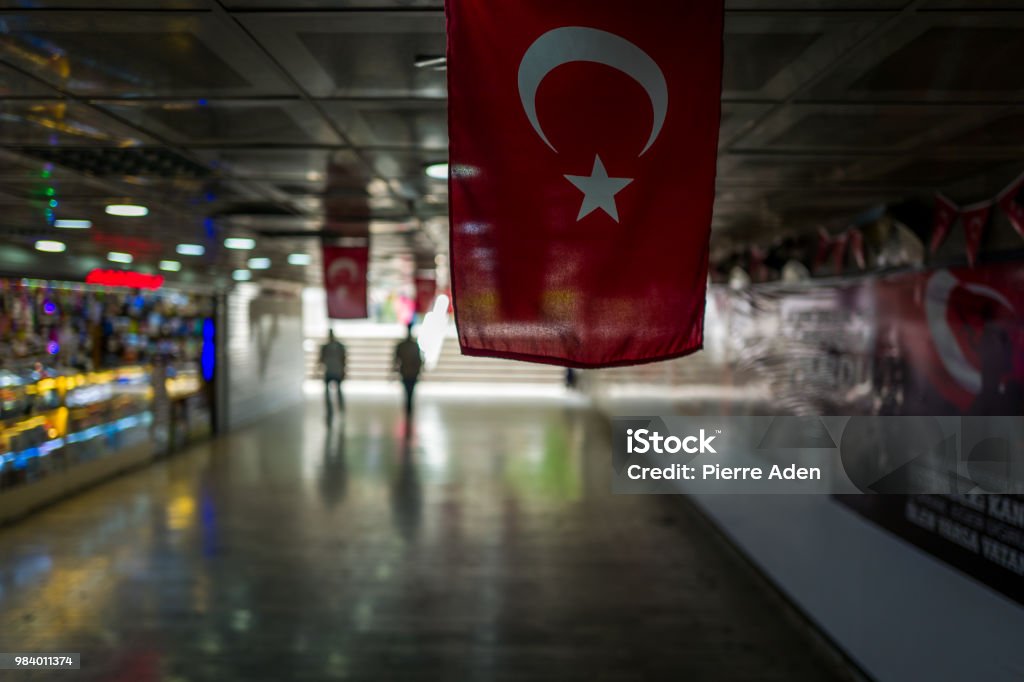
{"points": [[583, 140], [946, 213], [345, 281], [821, 253], [1013, 209], [839, 252], [426, 291], [857, 247], [975, 220]]}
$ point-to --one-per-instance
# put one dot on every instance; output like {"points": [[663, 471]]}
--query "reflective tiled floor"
{"points": [[485, 546]]}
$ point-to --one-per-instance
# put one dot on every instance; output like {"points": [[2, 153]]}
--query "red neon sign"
{"points": [[124, 278]]}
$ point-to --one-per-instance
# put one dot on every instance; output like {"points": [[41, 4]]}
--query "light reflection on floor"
{"points": [[480, 544]]}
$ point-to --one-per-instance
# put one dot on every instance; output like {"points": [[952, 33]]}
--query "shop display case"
{"points": [[93, 381]]}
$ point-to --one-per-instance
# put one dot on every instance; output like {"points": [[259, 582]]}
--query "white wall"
{"points": [[265, 361]]}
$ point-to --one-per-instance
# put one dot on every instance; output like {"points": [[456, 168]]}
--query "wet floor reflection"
{"points": [[479, 542]]}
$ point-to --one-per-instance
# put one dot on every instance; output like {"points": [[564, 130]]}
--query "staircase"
{"points": [[370, 359]]}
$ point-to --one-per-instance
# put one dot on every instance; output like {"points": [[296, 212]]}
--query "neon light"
{"points": [[124, 278], [208, 357]]}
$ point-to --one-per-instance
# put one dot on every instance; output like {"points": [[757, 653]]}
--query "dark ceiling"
{"points": [[271, 119]]}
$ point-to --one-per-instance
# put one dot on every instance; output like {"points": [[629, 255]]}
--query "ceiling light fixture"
{"points": [[241, 275], [170, 265], [191, 249], [240, 243], [299, 259], [66, 224], [434, 63], [50, 246], [127, 210], [120, 257], [259, 263], [438, 171]]}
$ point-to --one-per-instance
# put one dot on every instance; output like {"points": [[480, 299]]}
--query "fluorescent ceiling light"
{"points": [[50, 246], [259, 263], [191, 249], [127, 210], [241, 275], [170, 265], [438, 171], [241, 243], [299, 259], [119, 257], [73, 224]]}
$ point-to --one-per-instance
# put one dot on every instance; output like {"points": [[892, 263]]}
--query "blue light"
{"points": [[208, 357], [53, 348], [49, 308]]}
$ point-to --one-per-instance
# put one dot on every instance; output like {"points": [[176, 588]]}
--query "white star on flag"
{"points": [[598, 190]]}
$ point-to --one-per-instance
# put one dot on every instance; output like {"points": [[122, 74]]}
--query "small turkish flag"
{"points": [[946, 213], [345, 281], [1014, 209], [975, 220], [583, 140]]}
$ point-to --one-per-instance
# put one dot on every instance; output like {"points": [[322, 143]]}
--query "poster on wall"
{"points": [[944, 342]]}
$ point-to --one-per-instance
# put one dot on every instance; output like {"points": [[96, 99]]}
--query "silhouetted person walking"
{"points": [[333, 358], [408, 363]]}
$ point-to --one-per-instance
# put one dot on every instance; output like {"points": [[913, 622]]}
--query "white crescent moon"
{"points": [[337, 266], [580, 44], [940, 287]]}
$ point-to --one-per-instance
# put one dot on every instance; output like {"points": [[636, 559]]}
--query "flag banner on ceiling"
{"points": [[839, 252], [975, 220], [1014, 209], [821, 252], [857, 248], [583, 138], [426, 292], [946, 213], [345, 271]]}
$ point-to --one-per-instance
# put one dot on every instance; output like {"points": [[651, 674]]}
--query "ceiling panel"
{"points": [[769, 56], [845, 127], [135, 54], [61, 123], [416, 124], [355, 54], [937, 57], [191, 122]]}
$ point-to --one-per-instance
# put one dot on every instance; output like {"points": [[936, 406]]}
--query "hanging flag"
{"points": [[821, 253], [839, 252], [1013, 209], [946, 213], [857, 247], [975, 219], [345, 269], [583, 141], [426, 291]]}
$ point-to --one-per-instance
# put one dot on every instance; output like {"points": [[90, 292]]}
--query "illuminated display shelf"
{"points": [[76, 408]]}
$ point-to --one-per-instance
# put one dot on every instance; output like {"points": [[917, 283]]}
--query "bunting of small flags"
{"points": [[975, 218]]}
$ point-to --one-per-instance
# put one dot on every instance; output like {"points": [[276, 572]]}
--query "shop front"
{"points": [[95, 380]]}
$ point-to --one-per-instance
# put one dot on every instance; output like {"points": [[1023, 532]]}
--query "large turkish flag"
{"points": [[583, 137], [345, 281]]}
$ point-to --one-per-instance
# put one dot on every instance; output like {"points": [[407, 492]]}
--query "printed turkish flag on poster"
{"points": [[345, 281], [583, 138]]}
